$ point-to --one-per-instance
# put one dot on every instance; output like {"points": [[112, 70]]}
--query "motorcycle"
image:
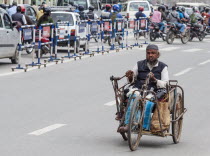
{"points": [[206, 30], [44, 48], [196, 32], [173, 32], [154, 32]]}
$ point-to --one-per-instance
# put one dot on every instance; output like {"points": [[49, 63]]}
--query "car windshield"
{"points": [[134, 6], [58, 17], [78, 2]]}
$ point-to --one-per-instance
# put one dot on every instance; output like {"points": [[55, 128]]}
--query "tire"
{"points": [[152, 36], [178, 109], [164, 38], [135, 123], [15, 59], [84, 47], [191, 37], [77, 46], [109, 41], [96, 39], [77, 49], [201, 36], [170, 37], [124, 135], [29, 50], [186, 38], [37, 53], [118, 40]]}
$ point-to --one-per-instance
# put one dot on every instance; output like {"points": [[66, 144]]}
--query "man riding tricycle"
{"points": [[149, 103]]}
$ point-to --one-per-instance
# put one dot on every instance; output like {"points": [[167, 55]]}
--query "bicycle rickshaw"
{"points": [[174, 96]]}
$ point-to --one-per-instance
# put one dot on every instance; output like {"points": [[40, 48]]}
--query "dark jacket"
{"points": [[140, 14], [90, 15], [143, 71], [83, 15], [18, 17]]}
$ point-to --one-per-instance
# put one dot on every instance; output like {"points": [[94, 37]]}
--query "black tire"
{"points": [[37, 53], [135, 124], [96, 39], [77, 49], [152, 36], [15, 59], [186, 38], [170, 37], [178, 109], [84, 47], [118, 40], [163, 38], [77, 46], [201, 36], [124, 135], [109, 41], [191, 37], [29, 50]]}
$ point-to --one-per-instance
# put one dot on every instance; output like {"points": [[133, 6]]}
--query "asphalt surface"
{"points": [[67, 103]]}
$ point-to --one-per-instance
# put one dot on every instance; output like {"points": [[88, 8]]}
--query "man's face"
{"points": [[152, 55]]}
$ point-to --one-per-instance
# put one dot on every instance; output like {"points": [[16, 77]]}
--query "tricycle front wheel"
{"points": [[135, 123]]}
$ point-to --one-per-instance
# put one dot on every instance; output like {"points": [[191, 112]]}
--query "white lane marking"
{"points": [[169, 48], [205, 62], [110, 103], [183, 72], [192, 50], [46, 129]]}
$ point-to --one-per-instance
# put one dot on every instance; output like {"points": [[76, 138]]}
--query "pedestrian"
{"points": [[13, 9]]}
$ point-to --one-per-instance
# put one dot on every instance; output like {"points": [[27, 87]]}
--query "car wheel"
{"points": [[15, 59]]}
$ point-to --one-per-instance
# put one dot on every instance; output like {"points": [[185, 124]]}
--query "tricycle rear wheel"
{"points": [[178, 109]]}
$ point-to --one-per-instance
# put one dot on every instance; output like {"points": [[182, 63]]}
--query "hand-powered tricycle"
{"points": [[174, 97]]}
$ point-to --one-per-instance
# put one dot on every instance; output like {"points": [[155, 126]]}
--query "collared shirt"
{"points": [[164, 74], [12, 10], [156, 17]]}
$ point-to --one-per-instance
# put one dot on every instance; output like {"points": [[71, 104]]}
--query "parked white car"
{"points": [[130, 8], [9, 38], [73, 19]]}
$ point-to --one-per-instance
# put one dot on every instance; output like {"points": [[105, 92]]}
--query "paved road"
{"points": [[66, 103]]}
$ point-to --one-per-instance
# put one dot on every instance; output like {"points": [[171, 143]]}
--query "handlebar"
{"points": [[112, 78]]}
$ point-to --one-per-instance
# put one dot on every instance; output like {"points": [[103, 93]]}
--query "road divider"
{"points": [[46, 38]]}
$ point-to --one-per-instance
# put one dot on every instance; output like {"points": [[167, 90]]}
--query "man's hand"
{"points": [[152, 77], [129, 73]]}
